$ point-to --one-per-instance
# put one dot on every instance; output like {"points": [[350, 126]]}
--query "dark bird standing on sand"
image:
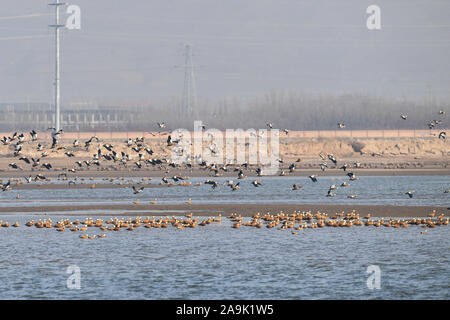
{"points": [[169, 141], [442, 135]]}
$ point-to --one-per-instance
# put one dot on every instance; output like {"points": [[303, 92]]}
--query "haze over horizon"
{"points": [[133, 52]]}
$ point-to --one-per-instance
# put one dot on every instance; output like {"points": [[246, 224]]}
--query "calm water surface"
{"points": [[383, 190], [218, 262]]}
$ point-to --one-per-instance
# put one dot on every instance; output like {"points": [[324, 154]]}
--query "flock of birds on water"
{"points": [[295, 222], [106, 153]]}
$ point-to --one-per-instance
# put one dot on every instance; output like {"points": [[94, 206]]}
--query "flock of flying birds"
{"points": [[106, 154]]}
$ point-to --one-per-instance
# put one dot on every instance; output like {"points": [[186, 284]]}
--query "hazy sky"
{"points": [[133, 50]]}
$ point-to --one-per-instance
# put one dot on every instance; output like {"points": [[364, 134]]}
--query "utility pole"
{"points": [[57, 26], [189, 91]]}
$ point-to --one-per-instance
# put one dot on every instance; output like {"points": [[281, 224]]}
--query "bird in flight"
{"points": [[33, 135], [410, 193], [257, 183], [136, 191]]}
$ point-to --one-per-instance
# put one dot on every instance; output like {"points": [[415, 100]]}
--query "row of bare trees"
{"points": [[293, 111], [308, 112]]}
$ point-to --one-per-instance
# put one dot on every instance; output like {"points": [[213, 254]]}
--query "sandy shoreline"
{"points": [[245, 210], [92, 185], [204, 173]]}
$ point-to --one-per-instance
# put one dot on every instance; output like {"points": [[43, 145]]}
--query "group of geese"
{"points": [[116, 224], [296, 221]]}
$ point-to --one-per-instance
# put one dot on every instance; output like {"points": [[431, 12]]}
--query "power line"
{"points": [[24, 37], [31, 15]]}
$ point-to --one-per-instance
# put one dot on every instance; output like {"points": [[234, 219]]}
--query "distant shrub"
{"points": [[358, 146]]}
